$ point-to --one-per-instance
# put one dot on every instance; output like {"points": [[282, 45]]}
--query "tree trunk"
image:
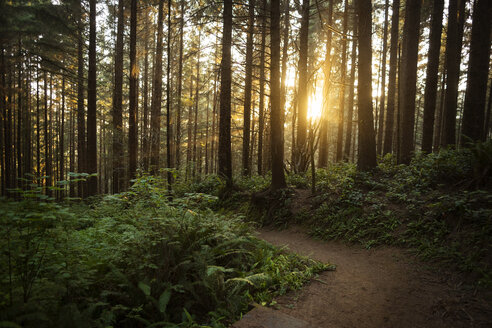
{"points": [[155, 123], [486, 129], [118, 155], [478, 71], [81, 141], [453, 60], [133, 106], [261, 110], [62, 139], [91, 104], [432, 76], [390, 108], [197, 102], [169, 120], [247, 89], [350, 113], [343, 70], [323, 132], [303, 93], [383, 82], [367, 142], [225, 157], [180, 88], [276, 114], [411, 31]]}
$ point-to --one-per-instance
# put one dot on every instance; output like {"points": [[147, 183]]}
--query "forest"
{"points": [[253, 163]]}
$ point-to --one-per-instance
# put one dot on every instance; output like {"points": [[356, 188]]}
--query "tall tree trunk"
{"points": [[189, 144], [486, 129], [155, 122], [81, 142], [247, 89], [62, 138], [145, 130], [411, 31], [38, 128], [91, 104], [478, 71], [383, 82], [343, 69], [118, 154], [390, 108], [261, 110], [432, 75], [453, 59], [133, 106], [285, 48], [47, 160], [206, 132], [303, 93], [323, 132], [197, 102], [439, 114], [276, 124], [180, 88], [225, 157], [350, 112], [169, 123], [367, 142]]}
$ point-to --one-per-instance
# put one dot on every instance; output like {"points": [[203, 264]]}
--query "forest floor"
{"points": [[379, 287]]}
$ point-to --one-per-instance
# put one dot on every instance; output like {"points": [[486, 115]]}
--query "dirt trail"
{"points": [[382, 287]]}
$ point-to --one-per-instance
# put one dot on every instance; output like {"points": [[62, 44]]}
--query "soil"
{"points": [[382, 287]]}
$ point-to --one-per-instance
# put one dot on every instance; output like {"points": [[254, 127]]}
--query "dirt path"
{"points": [[381, 287]]}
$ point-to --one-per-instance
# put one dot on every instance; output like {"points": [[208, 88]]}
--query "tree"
{"points": [[323, 133], [118, 155], [225, 156], [390, 108], [432, 75], [409, 79], [81, 142], [276, 124], [169, 123], [453, 59], [133, 106], [155, 122], [247, 89], [302, 94], [379, 145], [350, 112], [91, 104], [343, 69], [478, 71], [367, 143], [261, 109]]}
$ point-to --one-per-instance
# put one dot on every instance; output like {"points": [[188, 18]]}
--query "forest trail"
{"points": [[381, 287]]}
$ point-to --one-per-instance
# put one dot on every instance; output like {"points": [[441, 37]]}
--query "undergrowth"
{"points": [[440, 206], [136, 259]]}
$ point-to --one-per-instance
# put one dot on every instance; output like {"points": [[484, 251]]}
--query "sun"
{"points": [[315, 106]]}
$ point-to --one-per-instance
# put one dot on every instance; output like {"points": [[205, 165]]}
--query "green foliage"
{"points": [[431, 206], [137, 258]]}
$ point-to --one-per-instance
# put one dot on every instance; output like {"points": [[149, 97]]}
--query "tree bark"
{"points": [[261, 109], [118, 155], [155, 122], [343, 69], [81, 141], [91, 104], [379, 146], [350, 113], [432, 76], [478, 71], [367, 142], [225, 157], [247, 89], [133, 106], [390, 108], [302, 95], [276, 124], [323, 133], [453, 59], [411, 31], [180, 88], [169, 121]]}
